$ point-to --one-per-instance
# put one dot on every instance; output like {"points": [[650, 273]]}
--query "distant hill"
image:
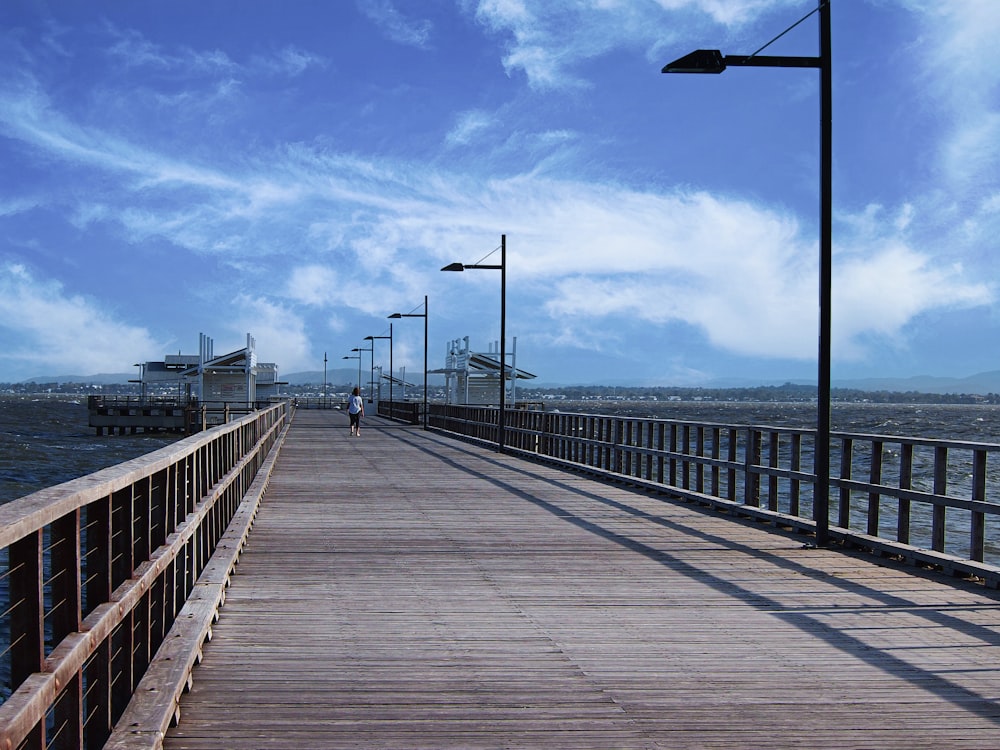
{"points": [[981, 383]]}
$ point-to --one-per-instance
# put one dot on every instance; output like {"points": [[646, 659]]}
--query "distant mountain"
{"points": [[980, 383]]}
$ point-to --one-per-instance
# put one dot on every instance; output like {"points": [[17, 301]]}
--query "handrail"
{"points": [[921, 500], [401, 411], [94, 572]]}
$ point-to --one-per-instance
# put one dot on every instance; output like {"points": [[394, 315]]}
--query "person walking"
{"points": [[356, 410]]}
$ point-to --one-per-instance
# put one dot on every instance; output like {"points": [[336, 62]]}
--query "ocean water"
{"points": [[962, 422], [45, 440]]}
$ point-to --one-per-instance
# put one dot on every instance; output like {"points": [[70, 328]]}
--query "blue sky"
{"points": [[300, 170]]}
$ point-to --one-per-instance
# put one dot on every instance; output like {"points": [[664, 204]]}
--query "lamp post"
{"points": [[424, 316], [324, 380], [142, 380], [357, 357], [372, 339], [371, 381], [501, 418], [713, 61]]}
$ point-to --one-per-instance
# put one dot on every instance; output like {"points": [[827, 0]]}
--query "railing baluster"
{"points": [[905, 483], [794, 489], [940, 487], [773, 449], [846, 472], [977, 526], [734, 442], [700, 453], [751, 477], [875, 478], [716, 454]]}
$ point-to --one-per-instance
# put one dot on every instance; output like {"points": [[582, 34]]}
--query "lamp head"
{"points": [[699, 61], [369, 338], [396, 316], [454, 267]]}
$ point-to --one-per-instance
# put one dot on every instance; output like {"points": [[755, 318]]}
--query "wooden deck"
{"points": [[404, 590]]}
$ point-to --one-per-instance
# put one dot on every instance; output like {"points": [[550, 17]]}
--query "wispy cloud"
{"points": [[468, 124], [395, 25]]}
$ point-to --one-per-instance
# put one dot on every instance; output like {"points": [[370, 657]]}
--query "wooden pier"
{"points": [[408, 590]]}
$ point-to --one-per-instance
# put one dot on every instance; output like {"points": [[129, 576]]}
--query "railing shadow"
{"points": [[805, 619]]}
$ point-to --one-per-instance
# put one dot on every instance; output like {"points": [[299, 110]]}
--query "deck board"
{"points": [[404, 590]]}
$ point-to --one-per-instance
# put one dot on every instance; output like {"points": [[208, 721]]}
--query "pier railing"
{"points": [[928, 502], [409, 412], [96, 571], [156, 413]]}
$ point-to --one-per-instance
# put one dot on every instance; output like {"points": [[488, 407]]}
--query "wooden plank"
{"points": [[406, 590]]}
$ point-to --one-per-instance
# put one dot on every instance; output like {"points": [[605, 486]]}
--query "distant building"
{"points": [[474, 377], [236, 378]]}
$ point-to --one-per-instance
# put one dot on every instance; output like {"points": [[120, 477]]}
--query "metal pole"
{"points": [[821, 500], [426, 313], [391, 371], [501, 418]]}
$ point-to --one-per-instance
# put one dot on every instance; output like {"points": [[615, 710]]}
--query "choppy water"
{"points": [[46, 441], [962, 422]]}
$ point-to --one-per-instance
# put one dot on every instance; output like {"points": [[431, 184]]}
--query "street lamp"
{"points": [[713, 61], [372, 339], [141, 381], [424, 316], [501, 418], [371, 386], [357, 357]]}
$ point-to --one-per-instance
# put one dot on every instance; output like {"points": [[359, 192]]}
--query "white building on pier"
{"points": [[474, 377], [235, 378]]}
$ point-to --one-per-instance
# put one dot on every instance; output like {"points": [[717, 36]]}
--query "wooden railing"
{"points": [[95, 572], [132, 413], [401, 411], [929, 502]]}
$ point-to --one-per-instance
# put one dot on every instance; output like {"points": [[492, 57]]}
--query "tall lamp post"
{"points": [[324, 380], [372, 339], [371, 381], [357, 357], [501, 417], [713, 61], [424, 316]]}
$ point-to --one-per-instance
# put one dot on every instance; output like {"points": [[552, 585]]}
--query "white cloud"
{"points": [[960, 61], [313, 285], [550, 39], [280, 332], [49, 332]]}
